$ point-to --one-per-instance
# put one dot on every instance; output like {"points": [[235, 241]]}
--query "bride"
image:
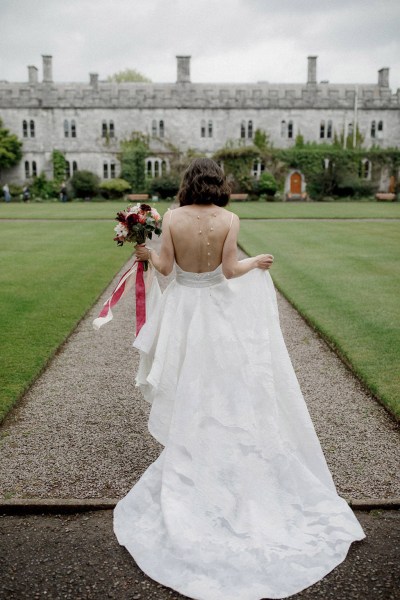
{"points": [[240, 504]]}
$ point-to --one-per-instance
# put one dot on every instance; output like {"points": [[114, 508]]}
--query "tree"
{"points": [[132, 158], [128, 75], [10, 148], [85, 184]]}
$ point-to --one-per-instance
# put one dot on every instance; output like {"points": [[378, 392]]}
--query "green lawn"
{"points": [[245, 210], [51, 274], [68, 210], [316, 210], [344, 277]]}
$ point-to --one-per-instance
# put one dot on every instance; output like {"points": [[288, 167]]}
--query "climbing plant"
{"points": [[59, 165], [132, 157]]}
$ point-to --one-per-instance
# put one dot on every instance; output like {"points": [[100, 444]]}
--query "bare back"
{"points": [[198, 234]]}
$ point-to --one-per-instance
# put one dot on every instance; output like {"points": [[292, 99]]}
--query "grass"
{"points": [[69, 210], [316, 210], [345, 279], [51, 274]]}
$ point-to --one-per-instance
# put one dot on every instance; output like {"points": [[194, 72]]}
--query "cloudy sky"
{"points": [[229, 40]]}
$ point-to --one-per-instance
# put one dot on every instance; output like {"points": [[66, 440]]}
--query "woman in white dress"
{"points": [[240, 504]]}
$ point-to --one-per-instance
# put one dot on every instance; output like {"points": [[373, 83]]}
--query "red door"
{"points": [[295, 183]]}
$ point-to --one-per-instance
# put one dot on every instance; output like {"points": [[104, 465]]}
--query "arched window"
{"points": [[161, 126], [156, 168], [74, 166], [25, 129], [329, 130], [203, 129], [105, 170], [373, 129], [67, 169], [112, 170], [322, 129], [210, 128], [27, 169], [104, 129], [380, 129], [73, 129], [283, 129], [290, 129], [163, 167], [250, 129], [258, 168], [32, 128], [243, 129], [34, 169], [154, 128], [148, 167], [111, 129], [364, 170], [66, 128]]}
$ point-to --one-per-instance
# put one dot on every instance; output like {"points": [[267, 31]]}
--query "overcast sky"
{"points": [[229, 40]]}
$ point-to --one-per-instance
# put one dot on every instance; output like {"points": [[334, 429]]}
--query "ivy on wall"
{"points": [[59, 166]]}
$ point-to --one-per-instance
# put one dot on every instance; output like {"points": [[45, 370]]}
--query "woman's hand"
{"points": [[264, 261], [142, 253]]}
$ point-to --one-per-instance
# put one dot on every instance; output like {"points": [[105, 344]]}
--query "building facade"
{"points": [[87, 121]]}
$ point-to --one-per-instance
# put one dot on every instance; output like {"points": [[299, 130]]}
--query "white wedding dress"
{"points": [[240, 505]]}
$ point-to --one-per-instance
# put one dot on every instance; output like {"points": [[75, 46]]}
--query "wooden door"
{"points": [[295, 183]]}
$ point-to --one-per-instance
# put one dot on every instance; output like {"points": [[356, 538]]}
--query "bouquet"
{"points": [[137, 223]]}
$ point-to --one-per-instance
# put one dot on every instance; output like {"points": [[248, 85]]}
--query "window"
{"points": [[322, 130], [27, 172], [25, 129], [156, 166], [380, 130], [66, 128], [67, 169], [74, 166], [32, 128], [154, 128], [149, 168], [329, 130], [104, 129], [258, 168], [73, 129], [290, 130], [112, 170], [373, 129], [34, 169], [283, 129], [109, 170], [105, 170], [250, 129], [161, 128], [203, 129], [210, 128], [111, 129], [163, 167], [243, 129], [364, 170], [30, 169]]}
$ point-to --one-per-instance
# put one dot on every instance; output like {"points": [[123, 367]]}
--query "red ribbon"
{"points": [[140, 298]]}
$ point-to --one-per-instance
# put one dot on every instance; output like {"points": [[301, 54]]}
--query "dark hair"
{"points": [[204, 182]]}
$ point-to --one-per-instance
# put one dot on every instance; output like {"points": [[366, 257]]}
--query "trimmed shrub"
{"points": [[165, 186], [114, 188], [84, 184], [267, 184]]}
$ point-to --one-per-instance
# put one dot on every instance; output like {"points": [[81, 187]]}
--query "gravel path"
{"points": [[81, 430]]}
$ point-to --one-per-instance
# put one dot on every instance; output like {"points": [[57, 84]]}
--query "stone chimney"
{"points": [[32, 74], [47, 68], [183, 75], [383, 77], [94, 80], [312, 70]]}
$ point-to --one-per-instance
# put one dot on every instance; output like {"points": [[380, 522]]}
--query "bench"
{"points": [[138, 197], [239, 197], [389, 196]]}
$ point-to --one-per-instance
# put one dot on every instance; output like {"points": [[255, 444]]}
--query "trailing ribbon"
{"points": [[122, 286]]}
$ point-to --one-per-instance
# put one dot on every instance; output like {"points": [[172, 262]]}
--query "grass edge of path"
{"points": [[335, 347]]}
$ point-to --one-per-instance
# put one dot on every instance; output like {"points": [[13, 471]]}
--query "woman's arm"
{"points": [[164, 262], [231, 266]]}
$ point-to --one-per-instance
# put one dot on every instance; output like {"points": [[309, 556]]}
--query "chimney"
{"points": [[383, 77], [94, 80], [183, 75], [32, 74], [47, 68], [312, 69]]}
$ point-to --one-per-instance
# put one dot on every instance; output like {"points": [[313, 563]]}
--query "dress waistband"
{"points": [[198, 280]]}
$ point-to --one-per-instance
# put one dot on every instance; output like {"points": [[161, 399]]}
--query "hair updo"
{"points": [[204, 182]]}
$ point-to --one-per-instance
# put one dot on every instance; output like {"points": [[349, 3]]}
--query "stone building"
{"points": [[87, 121]]}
